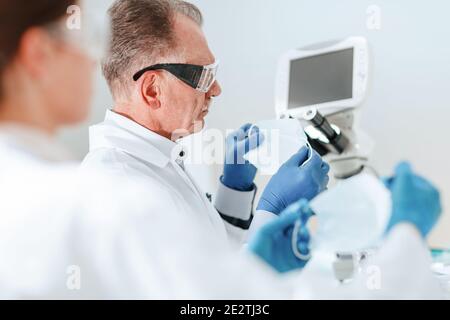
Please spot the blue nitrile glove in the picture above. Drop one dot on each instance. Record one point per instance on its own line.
(294, 181)
(238, 173)
(414, 200)
(274, 241)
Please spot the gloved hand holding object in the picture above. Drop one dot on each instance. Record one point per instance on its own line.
(296, 179)
(238, 173)
(284, 243)
(282, 139)
(414, 200)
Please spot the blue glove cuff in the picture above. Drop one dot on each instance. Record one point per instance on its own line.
(243, 188)
(265, 205)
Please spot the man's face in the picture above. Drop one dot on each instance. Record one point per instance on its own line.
(185, 108)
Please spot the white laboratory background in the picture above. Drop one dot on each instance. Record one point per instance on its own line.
(407, 111)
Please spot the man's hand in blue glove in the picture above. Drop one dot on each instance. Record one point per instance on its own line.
(414, 200)
(238, 173)
(294, 181)
(284, 243)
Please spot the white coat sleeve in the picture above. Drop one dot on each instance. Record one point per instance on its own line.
(236, 209)
(400, 270)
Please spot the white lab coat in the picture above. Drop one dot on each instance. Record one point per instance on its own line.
(122, 147)
(71, 235)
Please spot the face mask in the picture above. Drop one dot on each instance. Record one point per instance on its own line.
(282, 139)
(351, 216)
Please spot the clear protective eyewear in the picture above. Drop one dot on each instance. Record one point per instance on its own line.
(200, 78)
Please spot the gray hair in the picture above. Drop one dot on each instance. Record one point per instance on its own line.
(142, 33)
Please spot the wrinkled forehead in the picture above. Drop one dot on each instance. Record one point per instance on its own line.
(191, 41)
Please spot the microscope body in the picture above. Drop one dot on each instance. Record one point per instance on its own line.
(324, 86)
(339, 140)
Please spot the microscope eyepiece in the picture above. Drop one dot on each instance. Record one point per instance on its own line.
(337, 140)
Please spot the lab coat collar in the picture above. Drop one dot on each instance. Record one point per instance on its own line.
(126, 135)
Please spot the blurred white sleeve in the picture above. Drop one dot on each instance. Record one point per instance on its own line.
(400, 270)
(236, 209)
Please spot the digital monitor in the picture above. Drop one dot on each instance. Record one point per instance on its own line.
(320, 79)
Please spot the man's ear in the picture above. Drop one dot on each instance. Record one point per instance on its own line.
(150, 90)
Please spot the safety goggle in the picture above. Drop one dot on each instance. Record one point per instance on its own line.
(200, 78)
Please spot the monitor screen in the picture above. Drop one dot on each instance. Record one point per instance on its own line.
(320, 79)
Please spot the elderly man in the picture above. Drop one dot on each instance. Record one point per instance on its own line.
(161, 73)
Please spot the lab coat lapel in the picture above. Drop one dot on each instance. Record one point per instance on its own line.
(110, 135)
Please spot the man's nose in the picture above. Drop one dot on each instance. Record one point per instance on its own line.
(216, 90)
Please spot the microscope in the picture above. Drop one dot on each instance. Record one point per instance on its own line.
(324, 86)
